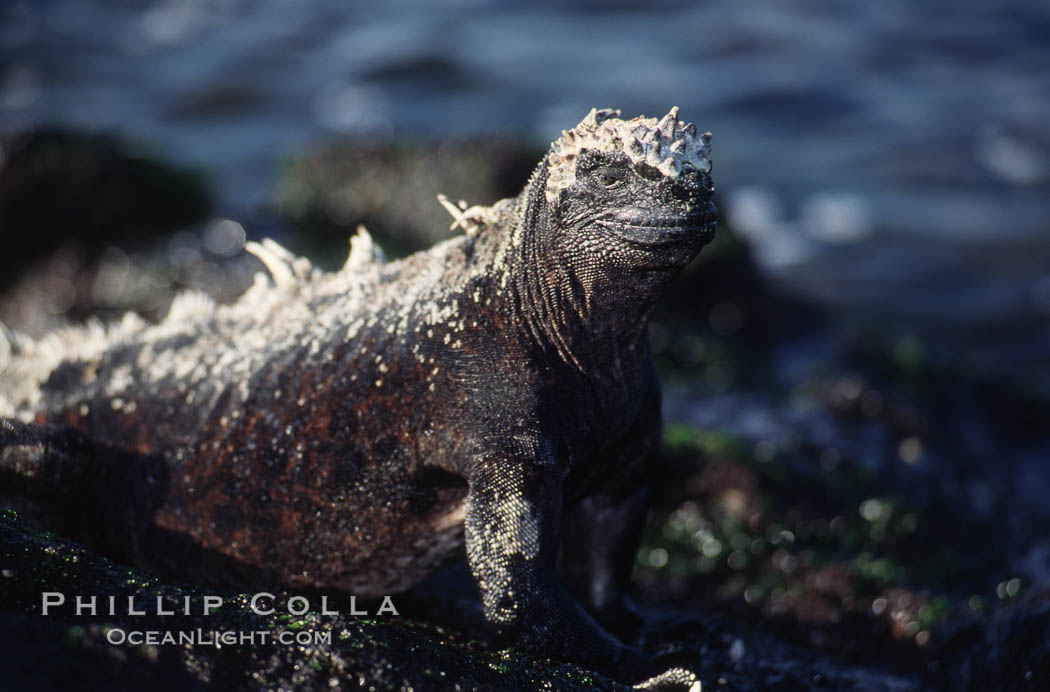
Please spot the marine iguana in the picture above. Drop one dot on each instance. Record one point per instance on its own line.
(351, 430)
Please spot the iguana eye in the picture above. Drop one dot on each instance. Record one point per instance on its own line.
(609, 177)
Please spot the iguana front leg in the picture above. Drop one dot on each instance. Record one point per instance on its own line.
(512, 534)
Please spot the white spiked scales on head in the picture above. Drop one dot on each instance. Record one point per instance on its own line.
(666, 144)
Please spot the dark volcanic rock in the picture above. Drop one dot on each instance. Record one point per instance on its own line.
(378, 652)
(1008, 651)
(64, 650)
(81, 220)
(60, 187)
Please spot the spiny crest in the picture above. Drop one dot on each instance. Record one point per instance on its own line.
(26, 363)
(363, 252)
(666, 144)
(473, 219)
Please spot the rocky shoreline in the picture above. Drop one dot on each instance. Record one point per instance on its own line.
(840, 505)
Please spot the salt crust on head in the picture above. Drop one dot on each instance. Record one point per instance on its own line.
(666, 144)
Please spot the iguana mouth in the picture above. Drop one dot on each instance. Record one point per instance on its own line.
(641, 227)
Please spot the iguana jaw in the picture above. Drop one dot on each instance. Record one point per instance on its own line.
(640, 227)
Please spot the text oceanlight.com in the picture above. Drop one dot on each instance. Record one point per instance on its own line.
(216, 638)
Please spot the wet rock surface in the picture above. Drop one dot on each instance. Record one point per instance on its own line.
(379, 652)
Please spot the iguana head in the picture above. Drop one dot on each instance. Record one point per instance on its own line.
(643, 184)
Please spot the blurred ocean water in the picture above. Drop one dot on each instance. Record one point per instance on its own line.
(892, 155)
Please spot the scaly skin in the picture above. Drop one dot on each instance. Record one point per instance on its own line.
(349, 430)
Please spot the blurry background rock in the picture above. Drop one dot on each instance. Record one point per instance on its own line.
(91, 226)
(391, 188)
